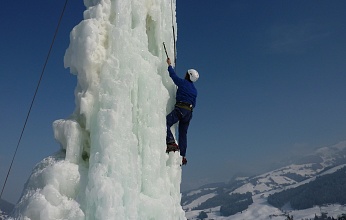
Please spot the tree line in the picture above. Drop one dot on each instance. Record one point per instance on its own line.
(229, 203)
(325, 189)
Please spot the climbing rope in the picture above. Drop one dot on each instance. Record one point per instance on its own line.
(33, 99)
(174, 41)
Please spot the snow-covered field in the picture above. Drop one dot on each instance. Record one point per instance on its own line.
(263, 185)
(261, 210)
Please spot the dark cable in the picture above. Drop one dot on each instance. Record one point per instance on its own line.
(174, 41)
(33, 99)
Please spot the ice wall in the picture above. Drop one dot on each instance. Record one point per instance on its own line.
(113, 163)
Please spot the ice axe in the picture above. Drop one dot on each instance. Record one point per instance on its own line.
(164, 46)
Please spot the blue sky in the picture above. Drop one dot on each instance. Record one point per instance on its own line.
(272, 82)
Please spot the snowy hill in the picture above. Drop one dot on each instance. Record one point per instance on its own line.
(218, 202)
(3, 216)
(5, 209)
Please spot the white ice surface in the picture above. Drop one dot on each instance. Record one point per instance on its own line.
(113, 163)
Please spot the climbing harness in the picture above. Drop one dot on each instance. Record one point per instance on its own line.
(184, 105)
(32, 102)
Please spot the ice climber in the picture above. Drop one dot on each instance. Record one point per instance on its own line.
(182, 112)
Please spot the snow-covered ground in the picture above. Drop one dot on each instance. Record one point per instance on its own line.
(263, 185)
(261, 210)
(200, 200)
(3, 216)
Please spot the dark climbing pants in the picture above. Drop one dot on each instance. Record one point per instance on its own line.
(183, 116)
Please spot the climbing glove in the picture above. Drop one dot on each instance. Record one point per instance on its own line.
(184, 161)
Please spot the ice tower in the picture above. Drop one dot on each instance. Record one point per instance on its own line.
(112, 163)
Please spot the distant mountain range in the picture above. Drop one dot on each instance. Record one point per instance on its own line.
(309, 186)
(5, 209)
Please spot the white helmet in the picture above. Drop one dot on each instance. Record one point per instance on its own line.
(193, 75)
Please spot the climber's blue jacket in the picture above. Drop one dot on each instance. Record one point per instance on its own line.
(186, 92)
